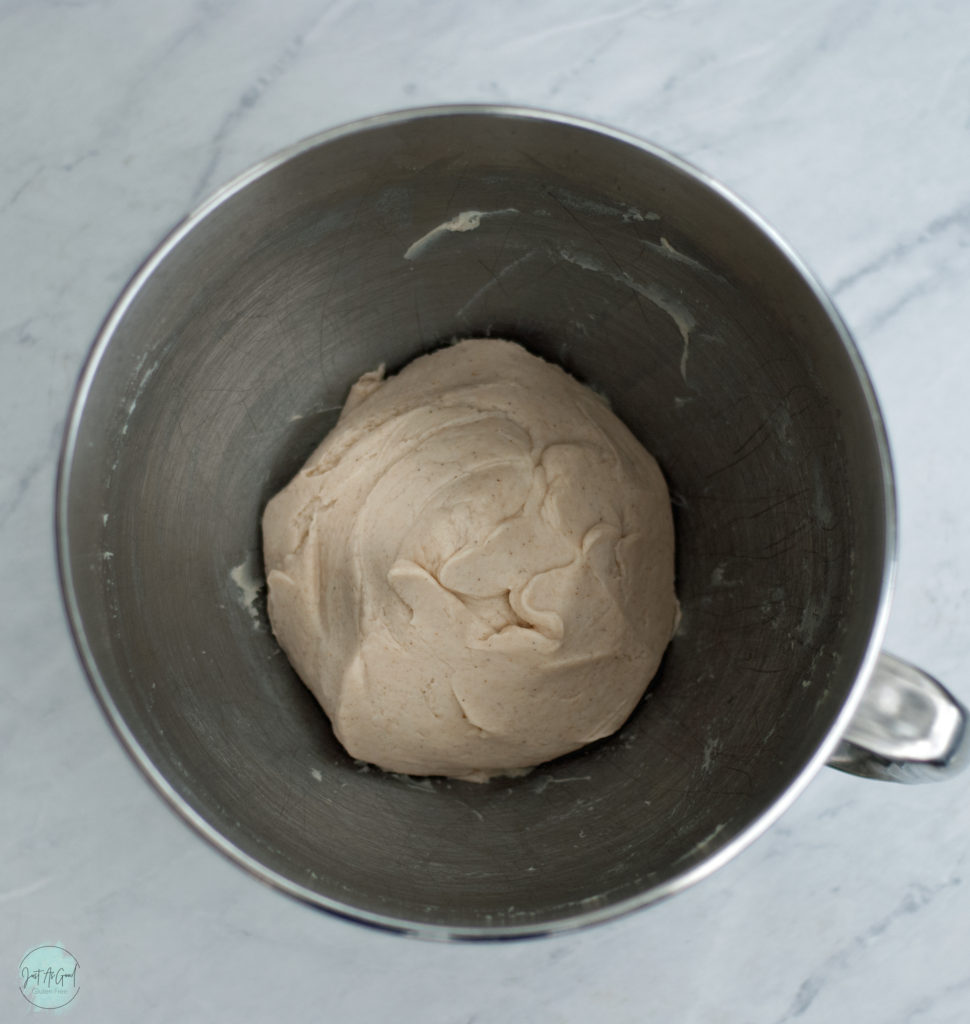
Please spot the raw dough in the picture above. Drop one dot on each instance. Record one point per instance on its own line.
(474, 572)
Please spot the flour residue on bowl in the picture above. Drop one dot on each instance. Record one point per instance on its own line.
(494, 280)
(543, 782)
(703, 844)
(681, 316)
(139, 390)
(249, 582)
(593, 207)
(467, 220)
(667, 250)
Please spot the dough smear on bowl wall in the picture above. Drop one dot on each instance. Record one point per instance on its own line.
(474, 571)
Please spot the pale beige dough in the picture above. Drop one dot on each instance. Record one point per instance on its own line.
(474, 572)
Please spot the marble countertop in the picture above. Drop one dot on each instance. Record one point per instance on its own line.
(846, 124)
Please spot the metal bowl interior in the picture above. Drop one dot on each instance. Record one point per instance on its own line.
(226, 361)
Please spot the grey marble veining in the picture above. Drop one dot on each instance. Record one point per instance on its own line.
(847, 125)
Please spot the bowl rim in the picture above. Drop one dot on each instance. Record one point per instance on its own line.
(199, 823)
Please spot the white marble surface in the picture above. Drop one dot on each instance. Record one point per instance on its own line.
(846, 123)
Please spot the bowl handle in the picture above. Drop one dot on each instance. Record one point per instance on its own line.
(907, 728)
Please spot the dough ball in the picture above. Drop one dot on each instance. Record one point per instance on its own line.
(474, 572)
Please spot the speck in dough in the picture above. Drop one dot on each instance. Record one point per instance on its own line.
(474, 572)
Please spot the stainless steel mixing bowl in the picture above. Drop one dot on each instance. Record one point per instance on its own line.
(227, 359)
